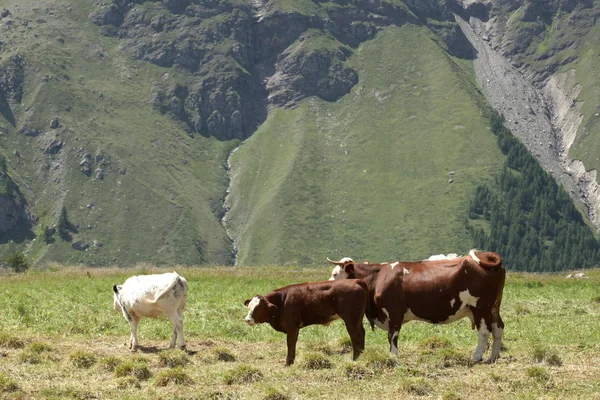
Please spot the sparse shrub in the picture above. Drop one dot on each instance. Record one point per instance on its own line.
(274, 394)
(417, 387)
(223, 354)
(173, 358)
(539, 373)
(138, 370)
(355, 371)
(315, 361)
(7, 384)
(176, 376)
(242, 374)
(17, 262)
(128, 382)
(11, 342)
(82, 359)
(379, 359)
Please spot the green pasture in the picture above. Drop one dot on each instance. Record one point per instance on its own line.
(60, 338)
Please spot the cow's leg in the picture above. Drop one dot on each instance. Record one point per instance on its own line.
(484, 336)
(133, 324)
(356, 330)
(292, 339)
(393, 332)
(497, 331)
(177, 330)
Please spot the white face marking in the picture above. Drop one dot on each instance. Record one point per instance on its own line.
(405, 271)
(474, 257)
(393, 265)
(251, 306)
(338, 273)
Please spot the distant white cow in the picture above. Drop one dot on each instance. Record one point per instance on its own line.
(152, 296)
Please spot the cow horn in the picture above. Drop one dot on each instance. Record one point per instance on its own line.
(334, 262)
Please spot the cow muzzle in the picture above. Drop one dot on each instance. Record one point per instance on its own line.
(250, 321)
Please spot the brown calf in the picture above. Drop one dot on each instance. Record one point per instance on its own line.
(316, 303)
(438, 292)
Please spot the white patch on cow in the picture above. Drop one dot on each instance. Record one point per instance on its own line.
(484, 336)
(338, 274)
(452, 303)
(405, 272)
(393, 265)
(474, 257)
(251, 306)
(437, 257)
(385, 323)
(467, 299)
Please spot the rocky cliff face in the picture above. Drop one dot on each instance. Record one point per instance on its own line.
(525, 64)
(238, 58)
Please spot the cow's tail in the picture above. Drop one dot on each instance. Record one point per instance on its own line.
(487, 260)
(370, 311)
(496, 308)
(168, 288)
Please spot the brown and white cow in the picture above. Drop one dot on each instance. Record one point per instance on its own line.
(437, 291)
(315, 303)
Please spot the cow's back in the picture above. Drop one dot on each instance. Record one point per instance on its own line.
(155, 295)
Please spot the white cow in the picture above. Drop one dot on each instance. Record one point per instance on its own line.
(152, 296)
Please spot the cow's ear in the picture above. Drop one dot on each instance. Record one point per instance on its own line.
(115, 289)
(349, 267)
(273, 310)
(246, 303)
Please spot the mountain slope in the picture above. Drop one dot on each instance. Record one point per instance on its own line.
(367, 176)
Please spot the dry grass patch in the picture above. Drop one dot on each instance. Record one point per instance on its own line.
(109, 363)
(355, 371)
(35, 353)
(125, 382)
(547, 356)
(417, 387)
(539, 373)
(176, 376)
(378, 359)
(242, 374)
(274, 394)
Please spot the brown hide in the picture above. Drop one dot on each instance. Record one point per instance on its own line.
(292, 307)
(438, 291)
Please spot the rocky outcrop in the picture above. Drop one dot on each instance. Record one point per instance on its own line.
(237, 59)
(12, 204)
(12, 75)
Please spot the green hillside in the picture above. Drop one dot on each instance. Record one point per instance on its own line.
(368, 176)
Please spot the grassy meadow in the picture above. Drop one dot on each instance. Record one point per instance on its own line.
(60, 339)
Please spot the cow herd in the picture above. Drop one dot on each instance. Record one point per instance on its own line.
(439, 290)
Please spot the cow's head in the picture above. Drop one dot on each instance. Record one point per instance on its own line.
(116, 302)
(343, 269)
(259, 310)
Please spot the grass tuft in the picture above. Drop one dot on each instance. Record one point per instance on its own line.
(242, 374)
(82, 359)
(33, 353)
(451, 358)
(451, 395)
(545, 355)
(138, 370)
(173, 358)
(125, 382)
(355, 371)
(417, 387)
(7, 385)
(176, 376)
(10, 341)
(109, 363)
(596, 299)
(539, 373)
(315, 361)
(379, 359)
(274, 394)
(223, 354)
(345, 344)
(436, 342)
